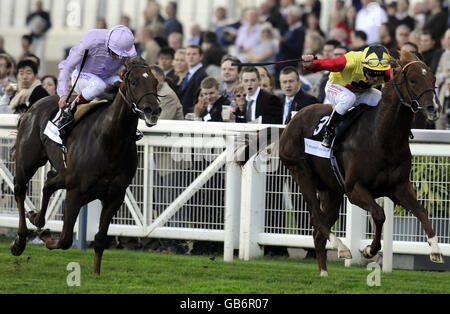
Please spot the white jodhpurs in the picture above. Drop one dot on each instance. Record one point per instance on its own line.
(342, 99)
(91, 85)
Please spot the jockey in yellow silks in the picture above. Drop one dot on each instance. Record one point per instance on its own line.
(351, 82)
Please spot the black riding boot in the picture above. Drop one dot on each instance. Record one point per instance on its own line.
(64, 122)
(329, 129)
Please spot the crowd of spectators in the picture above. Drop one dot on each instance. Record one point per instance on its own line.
(201, 67)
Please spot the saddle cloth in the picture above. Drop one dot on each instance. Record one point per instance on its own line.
(52, 131)
(313, 145)
(341, 126)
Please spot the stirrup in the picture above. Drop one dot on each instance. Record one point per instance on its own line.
(327, 139)
(65, 119)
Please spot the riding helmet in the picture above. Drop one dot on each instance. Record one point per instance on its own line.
(121, 41)
(376, 59)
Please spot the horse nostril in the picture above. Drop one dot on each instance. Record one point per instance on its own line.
(151, 111)
(430, 108)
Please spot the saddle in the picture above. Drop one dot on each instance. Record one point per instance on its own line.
(52, 131)
(341, 127)
(83, 109)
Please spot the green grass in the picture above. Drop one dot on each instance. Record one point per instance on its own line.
(39, 270)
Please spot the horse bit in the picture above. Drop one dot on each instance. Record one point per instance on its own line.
(134, 104)
(414, 104)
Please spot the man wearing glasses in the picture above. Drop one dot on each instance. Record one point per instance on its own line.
(352, 81)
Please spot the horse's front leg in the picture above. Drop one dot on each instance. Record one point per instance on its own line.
(361, 197)
(54, 182)
(72, 207)
(404, 195)
(110, 207)
(19, 244)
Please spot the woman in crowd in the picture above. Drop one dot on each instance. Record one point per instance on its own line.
(266, 50)
(239, 110)
(50, 83)
(180, 66)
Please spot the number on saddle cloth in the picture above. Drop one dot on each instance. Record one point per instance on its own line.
(341, 126)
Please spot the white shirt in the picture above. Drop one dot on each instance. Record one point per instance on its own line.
(369, 20)
(287, 104)
(253, 108)
(193, 70)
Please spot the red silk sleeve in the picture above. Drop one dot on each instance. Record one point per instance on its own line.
(332, 64)
(388, 75)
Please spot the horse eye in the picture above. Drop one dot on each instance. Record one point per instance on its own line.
(412, 81)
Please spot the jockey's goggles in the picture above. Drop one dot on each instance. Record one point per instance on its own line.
(374, 63)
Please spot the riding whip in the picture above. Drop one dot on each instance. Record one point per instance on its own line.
(268, 63)
(78, 76)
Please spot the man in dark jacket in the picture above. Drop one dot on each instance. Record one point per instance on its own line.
(172, 25)
(262, 107)
(39, 23)
(291, 43)
(30, 88)
(191, 83)
(430, 52)
(295, 99)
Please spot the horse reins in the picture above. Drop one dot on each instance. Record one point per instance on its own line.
(414, 104)
(134, 104)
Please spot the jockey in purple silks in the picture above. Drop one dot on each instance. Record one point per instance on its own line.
(107, 52)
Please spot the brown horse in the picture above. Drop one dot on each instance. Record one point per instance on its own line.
(374, 157)
(101, 157)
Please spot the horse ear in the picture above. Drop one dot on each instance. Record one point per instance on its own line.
(121, 74)
(394, 63)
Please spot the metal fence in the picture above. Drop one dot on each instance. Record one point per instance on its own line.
(188, 185)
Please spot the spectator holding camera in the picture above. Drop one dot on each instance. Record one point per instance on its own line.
(28, 90)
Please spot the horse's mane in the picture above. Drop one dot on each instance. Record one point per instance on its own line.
(135, 61)
(113, 88)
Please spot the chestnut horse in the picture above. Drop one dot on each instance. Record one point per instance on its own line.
(374, 157)
(101, 157)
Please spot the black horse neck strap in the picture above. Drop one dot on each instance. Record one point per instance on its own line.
(413, 104)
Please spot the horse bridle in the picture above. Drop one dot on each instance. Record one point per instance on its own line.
(132, 103)
(413, 104)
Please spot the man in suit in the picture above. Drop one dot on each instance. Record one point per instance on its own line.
(262, 107)
(165, 61)
(295, 99)
(172, 24)
(191, 83)
(291, 43)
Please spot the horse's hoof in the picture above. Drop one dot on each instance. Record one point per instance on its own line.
(346, 254)
(18, 246)
(437, 258)
(366, 252)
(31, 215)
(44, 234)
(323, 273)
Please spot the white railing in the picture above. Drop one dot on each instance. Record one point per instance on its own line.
(188, 185)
